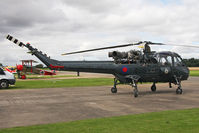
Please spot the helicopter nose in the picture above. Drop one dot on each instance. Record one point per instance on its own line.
(185, 72)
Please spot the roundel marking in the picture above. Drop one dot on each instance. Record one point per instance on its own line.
(166, 71)
(124, 69)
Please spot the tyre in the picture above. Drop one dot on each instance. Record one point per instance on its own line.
(4, 84)
(179, 91)
(153, 88)
(114, 90)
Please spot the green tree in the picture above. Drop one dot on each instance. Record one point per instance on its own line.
(191, 62)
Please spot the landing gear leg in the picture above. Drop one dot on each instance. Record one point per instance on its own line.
(170, 86)
(153, 87)
(179, 89)
(135, 91)
(114, 88)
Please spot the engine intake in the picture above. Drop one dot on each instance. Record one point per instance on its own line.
(117, 54)
(131, 56)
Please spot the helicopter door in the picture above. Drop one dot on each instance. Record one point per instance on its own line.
(152, 73)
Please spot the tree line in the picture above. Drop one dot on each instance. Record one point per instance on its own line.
(191, 62)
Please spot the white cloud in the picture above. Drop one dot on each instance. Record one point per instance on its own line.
(62, 26)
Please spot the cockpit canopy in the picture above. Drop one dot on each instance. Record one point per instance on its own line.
(169, 58)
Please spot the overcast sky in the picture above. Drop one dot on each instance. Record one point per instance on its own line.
(60, 26)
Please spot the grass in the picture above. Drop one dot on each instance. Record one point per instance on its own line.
(48, 76)
(37, 76)
(56, 83)
(179, 121)
(194, 73)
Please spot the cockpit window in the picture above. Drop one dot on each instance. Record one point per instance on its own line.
(177, 61)
(169, 59)
(164, 59)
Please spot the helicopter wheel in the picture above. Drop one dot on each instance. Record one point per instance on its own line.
(4, 84)
(114, 90)
(153, 88)
(178, 90)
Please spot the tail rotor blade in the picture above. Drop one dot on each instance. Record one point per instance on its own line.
(14, 40)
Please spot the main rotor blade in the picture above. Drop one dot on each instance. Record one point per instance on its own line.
(89, 50)
(131, 44)
(183, 45)
(170, 44)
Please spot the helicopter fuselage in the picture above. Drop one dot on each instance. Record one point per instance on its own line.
(168, 64)
(146, 72)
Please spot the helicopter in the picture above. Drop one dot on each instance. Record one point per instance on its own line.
(129, 67)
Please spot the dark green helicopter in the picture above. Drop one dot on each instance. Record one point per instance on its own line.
(128, 67)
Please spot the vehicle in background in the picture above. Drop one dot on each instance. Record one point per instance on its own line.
(11, 69)
(6, 79)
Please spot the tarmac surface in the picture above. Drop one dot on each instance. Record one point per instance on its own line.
(51, 105)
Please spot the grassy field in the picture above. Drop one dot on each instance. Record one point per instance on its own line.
(194, 73)
(55, 83)
(36, 76)
(179, 121)
(48, 76)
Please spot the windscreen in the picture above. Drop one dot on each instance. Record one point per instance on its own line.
(164, 59)
(177, 61)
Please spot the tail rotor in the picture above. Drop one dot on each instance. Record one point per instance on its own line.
(14, 40)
